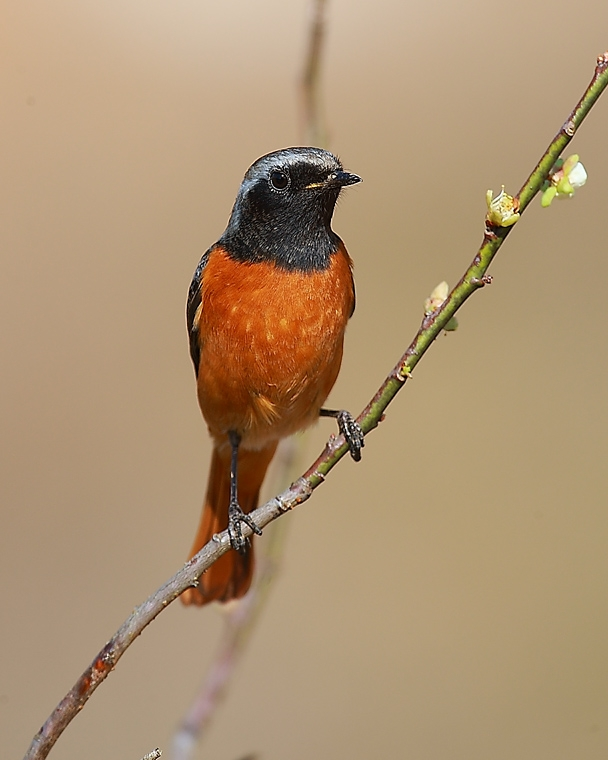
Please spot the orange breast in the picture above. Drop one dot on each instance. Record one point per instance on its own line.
(271, 345)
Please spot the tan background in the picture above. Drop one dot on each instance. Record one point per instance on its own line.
(447, 598)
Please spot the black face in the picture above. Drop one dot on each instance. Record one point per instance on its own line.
(284, 207)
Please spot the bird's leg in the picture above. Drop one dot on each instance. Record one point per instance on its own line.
(236, 516)
(350, 429)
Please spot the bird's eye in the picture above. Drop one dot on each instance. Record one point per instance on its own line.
(278, 179)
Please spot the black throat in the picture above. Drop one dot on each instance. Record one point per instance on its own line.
(294, 252)
(296, 236)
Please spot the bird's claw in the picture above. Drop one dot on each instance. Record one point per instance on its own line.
(353, 435)
(236, 516)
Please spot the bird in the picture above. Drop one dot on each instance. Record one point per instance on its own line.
(266, 314)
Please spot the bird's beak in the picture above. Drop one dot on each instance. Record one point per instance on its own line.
(342, 179)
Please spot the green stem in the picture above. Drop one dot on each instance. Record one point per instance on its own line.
(475, 276)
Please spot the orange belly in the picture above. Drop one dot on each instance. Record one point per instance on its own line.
(271, 345)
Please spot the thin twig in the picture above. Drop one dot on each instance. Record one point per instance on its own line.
(241, 616)
(313, 127)
(474, 278)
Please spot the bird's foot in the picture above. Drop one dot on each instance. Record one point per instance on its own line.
(350, 429)
(236, 517)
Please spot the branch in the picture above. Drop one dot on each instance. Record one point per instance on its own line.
(432, 324)
(240, 618)
(313, 128)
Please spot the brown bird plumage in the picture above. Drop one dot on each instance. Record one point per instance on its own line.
(267, 312)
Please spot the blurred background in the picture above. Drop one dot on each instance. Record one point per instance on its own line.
(446, 598)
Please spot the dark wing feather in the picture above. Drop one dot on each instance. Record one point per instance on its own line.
(194, 301)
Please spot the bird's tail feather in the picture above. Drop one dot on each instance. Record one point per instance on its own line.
(229, 577)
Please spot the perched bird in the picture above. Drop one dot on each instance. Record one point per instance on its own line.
(267, 311)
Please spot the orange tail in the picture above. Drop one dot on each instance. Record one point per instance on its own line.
(229, 577)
